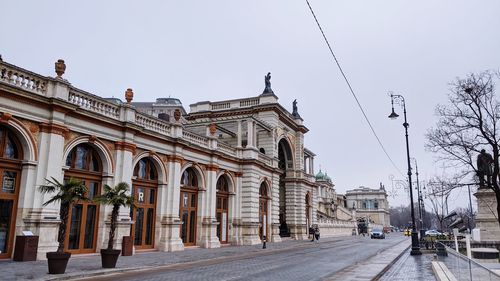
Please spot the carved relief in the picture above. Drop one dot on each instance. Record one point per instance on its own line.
(5, 117)
(70, 135)
(213, 129)
(177, 114)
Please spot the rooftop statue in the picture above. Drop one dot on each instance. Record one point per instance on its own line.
(295, 112)
(267, 80)
(484, 169)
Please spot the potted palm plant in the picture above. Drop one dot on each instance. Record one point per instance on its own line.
(115, 196)
(67, 193)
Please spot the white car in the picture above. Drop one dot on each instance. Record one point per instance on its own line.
(432, 232)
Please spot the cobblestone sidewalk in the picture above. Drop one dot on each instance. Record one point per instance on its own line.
(89, 265)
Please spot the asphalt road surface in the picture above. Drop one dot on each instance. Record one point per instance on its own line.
(314, 261)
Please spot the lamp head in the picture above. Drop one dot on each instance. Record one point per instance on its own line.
(393, 114)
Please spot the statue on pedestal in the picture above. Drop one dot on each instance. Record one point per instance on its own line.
(484, 169)
(267, 80)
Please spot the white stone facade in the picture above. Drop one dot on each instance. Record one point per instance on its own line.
(370, 204)
(227, 172)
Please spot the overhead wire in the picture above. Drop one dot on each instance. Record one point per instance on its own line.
(352, 91)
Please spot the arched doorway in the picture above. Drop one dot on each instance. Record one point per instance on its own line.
(263, 213)
(85, 165)
(285, 162)
(188, 208)
(222, 210)
(10, 171)
(144, 190)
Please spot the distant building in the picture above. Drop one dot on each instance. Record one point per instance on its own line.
(370, 204)
(163, 108)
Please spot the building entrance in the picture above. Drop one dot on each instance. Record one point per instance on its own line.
(144, 190)
(188, 207)
(10, 173)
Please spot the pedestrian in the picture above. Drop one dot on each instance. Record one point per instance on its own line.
(311, 232)
(316, 233)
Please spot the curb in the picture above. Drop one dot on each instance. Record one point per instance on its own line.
(387, 267)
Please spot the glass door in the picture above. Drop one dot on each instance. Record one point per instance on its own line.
(9, 188)
(82, 222)
(144, 216)
(188, 213)
(222, 217)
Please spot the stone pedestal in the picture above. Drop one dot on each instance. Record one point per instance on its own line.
(208, 237)
(487, 217)
(170, 240)
(250, 233)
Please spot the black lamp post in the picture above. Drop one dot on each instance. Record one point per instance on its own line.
(415, 247)
(419, 200)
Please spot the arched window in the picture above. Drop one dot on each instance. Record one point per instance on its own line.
(263, 190)
(145, 170)
(84, 157)
(9, 147)
(189, 178)
(222, 184)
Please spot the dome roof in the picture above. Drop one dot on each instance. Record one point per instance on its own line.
(327, 178)
(320, 176)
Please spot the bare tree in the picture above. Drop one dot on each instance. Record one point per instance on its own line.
(438, 192)
(469, 123)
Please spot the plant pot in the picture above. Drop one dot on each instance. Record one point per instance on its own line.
(109, 258)
(57, 262)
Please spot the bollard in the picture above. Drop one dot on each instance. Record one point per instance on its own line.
(263, 242)
(441, 250)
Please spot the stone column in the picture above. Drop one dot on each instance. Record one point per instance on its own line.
(208, 237)
(275, 209)
(238, 134)
(169, 239)
(250, 206)
(44, 220)
(295, 209)
(235, 236)
(123, 155)
(250, 134)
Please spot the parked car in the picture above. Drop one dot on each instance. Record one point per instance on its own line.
(377, 234)
(432, 233)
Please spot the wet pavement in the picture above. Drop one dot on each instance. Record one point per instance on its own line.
(289, 260)
(409, 267)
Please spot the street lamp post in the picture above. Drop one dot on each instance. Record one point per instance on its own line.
(419, 196)
(415, 247)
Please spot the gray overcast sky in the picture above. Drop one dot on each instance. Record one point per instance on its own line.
(216, 50)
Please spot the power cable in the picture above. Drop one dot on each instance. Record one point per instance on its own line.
(352, 91)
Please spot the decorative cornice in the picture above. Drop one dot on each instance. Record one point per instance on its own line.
(238, 174)
(51, 128)
(125, 146)
(212, 167)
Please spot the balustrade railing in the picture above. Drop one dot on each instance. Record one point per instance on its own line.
(220, 105)
(22, 78)
(226, 148)
(249, 102)
(194, 138)
(94, 103)
(152, 123)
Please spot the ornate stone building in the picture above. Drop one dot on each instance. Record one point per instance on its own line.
(227, 172)
(370, 204)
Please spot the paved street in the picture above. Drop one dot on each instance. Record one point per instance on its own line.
(305, 261)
